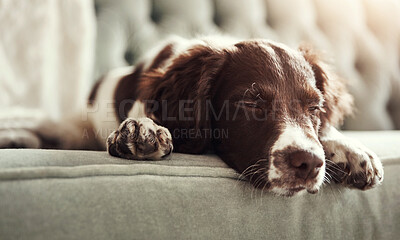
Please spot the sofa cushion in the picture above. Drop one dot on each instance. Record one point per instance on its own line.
(54, 194)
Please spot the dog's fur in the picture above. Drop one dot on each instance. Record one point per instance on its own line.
(276, 108)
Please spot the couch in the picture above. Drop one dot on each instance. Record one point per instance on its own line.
(53, 194)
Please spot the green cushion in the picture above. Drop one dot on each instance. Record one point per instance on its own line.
(53, 194)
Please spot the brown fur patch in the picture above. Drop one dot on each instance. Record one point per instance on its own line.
(161, 57)
(189, 79)
(126, 93)
(338, 102)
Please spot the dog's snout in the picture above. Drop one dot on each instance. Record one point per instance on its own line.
(306, 165)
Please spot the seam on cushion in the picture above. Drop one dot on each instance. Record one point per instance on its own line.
(386, 161)
(124, 175)
(113, 170)
(113, 165)
(162, 162)
(119, 164)
(122, 170)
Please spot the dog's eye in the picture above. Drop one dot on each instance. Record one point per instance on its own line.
(248, 104)
(314, 109)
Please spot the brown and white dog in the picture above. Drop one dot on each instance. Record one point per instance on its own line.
(268, 111)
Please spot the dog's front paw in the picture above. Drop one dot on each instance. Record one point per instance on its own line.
(352, 164)
(140, 139)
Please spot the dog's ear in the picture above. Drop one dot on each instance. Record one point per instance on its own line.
(338, 102)
(183, 95)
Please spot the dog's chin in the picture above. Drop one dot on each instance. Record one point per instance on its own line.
(287, 186)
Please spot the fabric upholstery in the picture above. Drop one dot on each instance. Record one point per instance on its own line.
(361, 38)
(50, 194)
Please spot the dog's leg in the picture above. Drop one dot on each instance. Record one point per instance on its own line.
(140, 138)
(70, 133)
(349, 162)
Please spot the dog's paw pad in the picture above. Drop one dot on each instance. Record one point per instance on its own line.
(140, 139)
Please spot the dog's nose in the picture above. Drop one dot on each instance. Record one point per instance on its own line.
(306, 164)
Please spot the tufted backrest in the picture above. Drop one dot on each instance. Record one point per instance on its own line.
(361, 38)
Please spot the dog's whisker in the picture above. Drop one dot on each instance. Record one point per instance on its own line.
(334, 166)
(258, 96)
(327, 180)
(245, 92)
(252, 86)
(259, 180)
(332, 176)
(265, 185)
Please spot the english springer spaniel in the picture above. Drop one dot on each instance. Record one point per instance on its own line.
(267, 110)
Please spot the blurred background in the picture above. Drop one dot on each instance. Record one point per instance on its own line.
(51, 51)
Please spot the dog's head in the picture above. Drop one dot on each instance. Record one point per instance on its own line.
(262, 105)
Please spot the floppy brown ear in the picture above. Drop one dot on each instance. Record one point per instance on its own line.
(183, 91)
(338, 102)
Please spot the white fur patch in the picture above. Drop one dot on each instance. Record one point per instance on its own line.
(137, 110)
(296, 137)
(102, 112)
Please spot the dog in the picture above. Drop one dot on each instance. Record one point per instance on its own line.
(266, 110)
